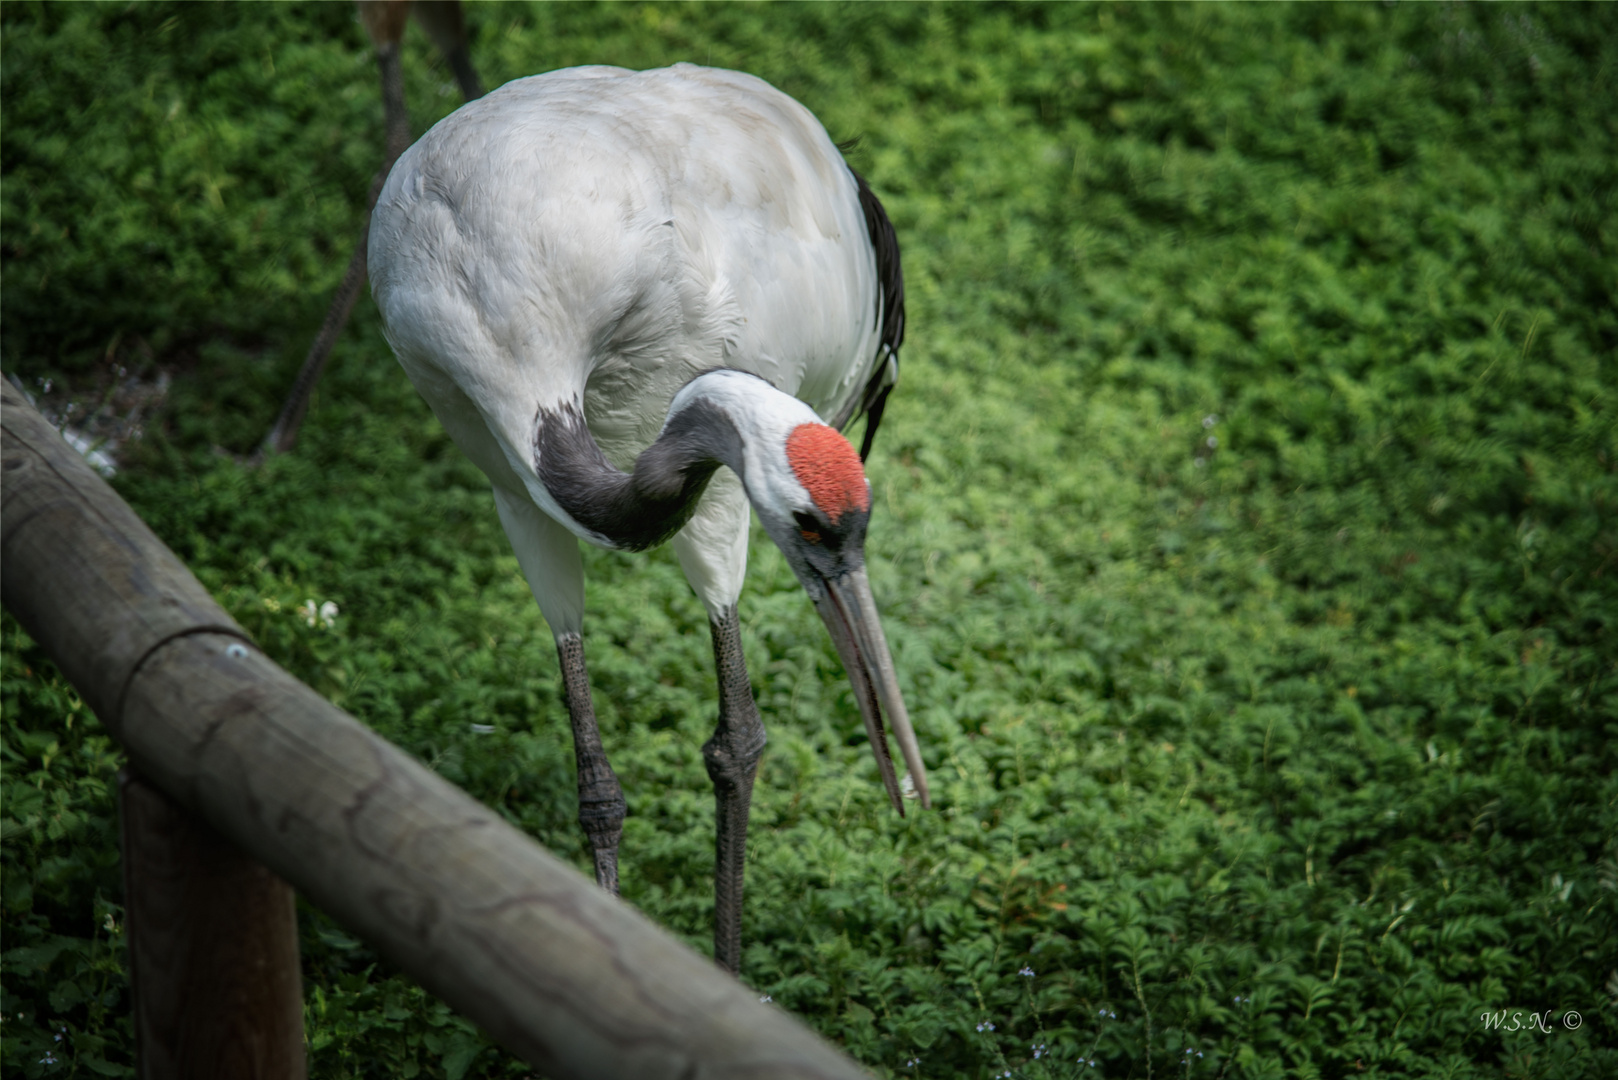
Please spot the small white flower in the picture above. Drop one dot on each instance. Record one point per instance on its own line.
(1026, 972)
(987, 1025)
(1210, 420)
(1213, 442)
(318, 614)
(766, 999)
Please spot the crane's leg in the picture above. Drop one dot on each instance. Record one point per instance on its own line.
(549, 557)
(601, 798)
(712, 549)
(732, 757)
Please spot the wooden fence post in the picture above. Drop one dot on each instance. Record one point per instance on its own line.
(213, 948)
(567, 977)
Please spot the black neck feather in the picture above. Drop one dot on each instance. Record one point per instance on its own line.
(639, 510)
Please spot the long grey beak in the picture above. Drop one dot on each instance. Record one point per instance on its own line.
(850, 616)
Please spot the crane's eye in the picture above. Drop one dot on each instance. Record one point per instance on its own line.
(808, 527)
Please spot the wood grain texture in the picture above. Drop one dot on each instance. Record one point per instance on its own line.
(213, 949)
(567, 977)
(82, 573)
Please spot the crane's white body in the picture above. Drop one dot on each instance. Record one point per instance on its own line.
(599, 237)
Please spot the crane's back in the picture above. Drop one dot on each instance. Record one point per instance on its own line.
(605, 235)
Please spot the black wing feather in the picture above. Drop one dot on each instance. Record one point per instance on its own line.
(891, 285)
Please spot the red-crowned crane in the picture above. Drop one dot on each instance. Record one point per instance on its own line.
(607, 285)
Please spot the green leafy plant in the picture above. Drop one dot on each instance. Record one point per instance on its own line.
(1246, 531)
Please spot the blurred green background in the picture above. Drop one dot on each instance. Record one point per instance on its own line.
(1246, 529)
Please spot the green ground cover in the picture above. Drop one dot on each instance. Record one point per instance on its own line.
(1246, 530)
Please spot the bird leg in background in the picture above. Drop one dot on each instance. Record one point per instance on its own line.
(601, 799)
(732, 757)
(445, 26)
(384, 22)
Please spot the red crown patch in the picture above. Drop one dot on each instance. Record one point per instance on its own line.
(829, 470)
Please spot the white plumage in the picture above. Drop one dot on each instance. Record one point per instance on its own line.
(590, 242)
(622, 231)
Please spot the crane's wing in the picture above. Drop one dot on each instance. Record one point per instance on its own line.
(873, 399)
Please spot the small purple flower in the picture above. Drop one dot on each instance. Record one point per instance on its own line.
(1026, 972)
(987, 1025)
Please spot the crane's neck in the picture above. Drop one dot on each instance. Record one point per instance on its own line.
(710, 423)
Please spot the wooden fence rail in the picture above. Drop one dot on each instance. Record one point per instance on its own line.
(566, 977)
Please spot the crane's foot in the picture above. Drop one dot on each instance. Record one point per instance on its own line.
(607, 868)
(601, 797)
(732, 757)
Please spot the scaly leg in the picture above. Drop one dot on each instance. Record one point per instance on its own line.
(601, 799)
(732, 758)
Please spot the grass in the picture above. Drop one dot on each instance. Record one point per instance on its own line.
(1246, 531)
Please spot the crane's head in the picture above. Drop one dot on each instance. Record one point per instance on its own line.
(816, 503)
(808, 488)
